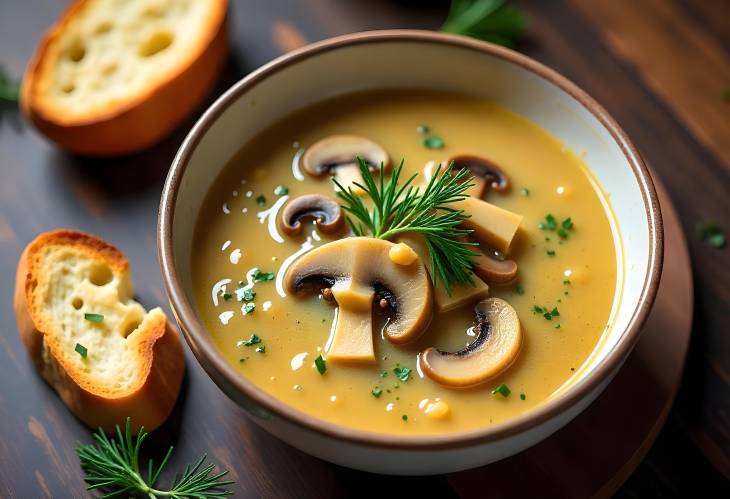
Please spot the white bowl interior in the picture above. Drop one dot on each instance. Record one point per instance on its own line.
(427, 65)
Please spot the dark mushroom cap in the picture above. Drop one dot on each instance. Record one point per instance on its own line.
(327, 155)
(323, 209)
(487, 175)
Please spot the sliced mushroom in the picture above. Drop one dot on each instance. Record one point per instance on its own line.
(487, 175)
(460, 295)
(323, 209)
(495, 270)
(337, 155)
(498, 342)
(360, 274)
(493, 226)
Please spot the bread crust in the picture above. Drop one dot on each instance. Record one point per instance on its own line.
(141, 120)
(148, 403)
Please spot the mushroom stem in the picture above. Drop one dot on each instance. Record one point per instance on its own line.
(352, 335)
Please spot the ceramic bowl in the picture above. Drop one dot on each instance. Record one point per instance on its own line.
(424, 60)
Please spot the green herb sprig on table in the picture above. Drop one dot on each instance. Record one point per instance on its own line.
(494, 21)
(399, 209)
(113, 465)
(9, 89)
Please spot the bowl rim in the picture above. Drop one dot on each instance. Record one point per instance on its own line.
(221, 371)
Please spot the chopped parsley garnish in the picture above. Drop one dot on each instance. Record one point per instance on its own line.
(253, 340)
(248, 308)
(281, 190)
(81, 350)
(260, 200)
(403, 373)
(259, 276)
(503, 390)
(557, 326)
(523, 396)
(525, 191)
(245, 294)
(545, 312)
(566, 282)
(519, 290)
(383, 374)
(551, 223)
(320, 364)
(404, 417)
(377, 392)
(433, 142)
(423, 129)
(261, 349)
(712, 234)
(550, 252)
(93, 317)
(242, 359)
(227, 296)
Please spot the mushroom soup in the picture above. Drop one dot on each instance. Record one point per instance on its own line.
(362, 331)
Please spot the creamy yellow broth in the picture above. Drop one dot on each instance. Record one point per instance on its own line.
(296, 328)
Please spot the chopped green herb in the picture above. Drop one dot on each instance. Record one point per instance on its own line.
(242, 359)
(519, 290)
(321, 364)
(404, 417)
(261, 200)
(403, 373)
(523, 396)
(550, 223)
(248, 308)
(712, 234)
(554, 312)
(93, 317)
(9, 90)
(567, 224)
(262, 276)
(423, 129)
(557, 326)
(227, 296)
(547, 239)
(261, 349)
(383, 374)
(548, 314)
(503, 390)
(377, 392)
(550, 252)
(81, 350)
(245, 294)
(253, 340)
(525, 191)
(281, 190)
(396, 385)
(566, 282)
(433, 142)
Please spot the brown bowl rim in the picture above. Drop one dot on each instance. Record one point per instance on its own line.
(222, 372)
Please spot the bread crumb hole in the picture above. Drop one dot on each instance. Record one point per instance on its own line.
(129, 327)
(100, 275)
(68, 88)
(77, 303)
(76, 52)
(156, 43)
(104, 27)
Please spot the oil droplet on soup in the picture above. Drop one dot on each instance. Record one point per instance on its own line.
(565, 251)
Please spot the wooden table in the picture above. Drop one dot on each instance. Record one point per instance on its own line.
(659, 67)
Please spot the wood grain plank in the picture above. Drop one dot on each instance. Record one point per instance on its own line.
(679, 60)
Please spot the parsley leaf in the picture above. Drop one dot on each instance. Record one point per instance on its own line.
(377, 392)
(281, 190)
(433, 142)
(403, 373)
(248, 308)
(502, 390)
(259, 276)
(253, 340)
(321, 364)
(261, 200)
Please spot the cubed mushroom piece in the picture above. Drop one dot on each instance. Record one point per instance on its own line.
(358, 273)
(337, 155)
(496, 346)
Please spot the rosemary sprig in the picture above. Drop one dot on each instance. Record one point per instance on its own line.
(113, 465)
(398, 209)
(491, 20)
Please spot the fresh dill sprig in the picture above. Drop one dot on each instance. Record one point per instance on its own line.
(113, 465)
(491, 20)
(398, 209)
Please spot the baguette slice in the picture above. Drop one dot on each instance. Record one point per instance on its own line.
(130, 363)
(113, 77)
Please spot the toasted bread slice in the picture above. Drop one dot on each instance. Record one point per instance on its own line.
(105, 356)
(115, 77)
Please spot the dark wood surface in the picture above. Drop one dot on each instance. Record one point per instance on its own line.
(659, 67)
